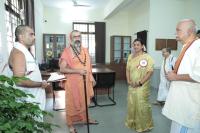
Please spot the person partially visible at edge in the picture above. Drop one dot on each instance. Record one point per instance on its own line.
(182, 105)
(75, 63)
(198, 33)
(138, 72)
(167, 65)
(23, 64)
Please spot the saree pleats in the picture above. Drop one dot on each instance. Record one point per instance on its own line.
(139, 113)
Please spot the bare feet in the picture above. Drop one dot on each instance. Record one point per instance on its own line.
(93, 122)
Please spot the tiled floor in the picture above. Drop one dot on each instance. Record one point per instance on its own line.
(111, 118)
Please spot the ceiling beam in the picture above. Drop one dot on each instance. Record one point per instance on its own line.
(115, 6)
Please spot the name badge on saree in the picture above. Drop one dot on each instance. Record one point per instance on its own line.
(143, 63)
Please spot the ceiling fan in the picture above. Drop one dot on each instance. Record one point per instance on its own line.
(77, 4)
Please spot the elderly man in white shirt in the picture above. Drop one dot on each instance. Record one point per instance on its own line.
(183, 101)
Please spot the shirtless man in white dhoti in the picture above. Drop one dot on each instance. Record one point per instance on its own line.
(23, 64)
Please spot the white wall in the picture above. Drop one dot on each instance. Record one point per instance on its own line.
(116, 25)
(3, 42)
(39, 29)
(56, 22)
(138, 17)
(163, 18)
(192, 11)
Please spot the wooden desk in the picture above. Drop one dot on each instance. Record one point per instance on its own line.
(105, 78)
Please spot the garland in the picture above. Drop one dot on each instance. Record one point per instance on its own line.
(77, 53)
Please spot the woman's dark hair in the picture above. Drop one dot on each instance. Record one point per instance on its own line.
(139, 40)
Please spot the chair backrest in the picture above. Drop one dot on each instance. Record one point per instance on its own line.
(56, 86)
(104, 80)
(53, 64)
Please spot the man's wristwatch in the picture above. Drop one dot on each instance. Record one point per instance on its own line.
(140, 83)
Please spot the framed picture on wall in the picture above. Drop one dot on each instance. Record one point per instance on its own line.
(166, 43)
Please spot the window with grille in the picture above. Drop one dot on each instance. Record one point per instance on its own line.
(88, 37)
(14, 17)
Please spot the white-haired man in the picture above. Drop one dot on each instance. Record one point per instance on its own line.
(183, 101)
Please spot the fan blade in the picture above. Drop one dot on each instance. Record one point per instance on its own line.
(82, 5)
(76, 4)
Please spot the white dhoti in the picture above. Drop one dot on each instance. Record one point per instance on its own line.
(177, 128)
(164, 83)
(34, 75)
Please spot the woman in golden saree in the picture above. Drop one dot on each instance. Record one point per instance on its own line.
(138, 72)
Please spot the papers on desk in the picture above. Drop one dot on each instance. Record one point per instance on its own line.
(55, 77)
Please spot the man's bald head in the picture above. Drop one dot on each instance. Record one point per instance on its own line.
(25, 35)
(21, 29)
(188, 25)
(184, 29)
